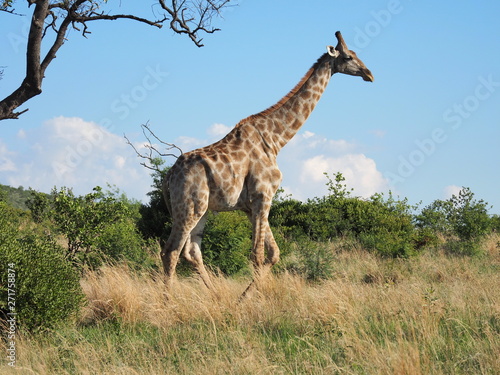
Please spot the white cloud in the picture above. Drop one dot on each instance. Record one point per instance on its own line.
(79, 154)
(120, 162)
(451, 190)
(307, 134)
(308, 156)
(309, 180)
(6, 162)
(215, 132)
(189, 143)
(218, 131)
(307, 141)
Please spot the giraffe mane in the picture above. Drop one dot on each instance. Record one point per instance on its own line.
(287, 97)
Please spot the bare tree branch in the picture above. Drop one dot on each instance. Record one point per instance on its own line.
(11, 11)
(185, 21)
(6, 6)
(152, 150)
(185, 17)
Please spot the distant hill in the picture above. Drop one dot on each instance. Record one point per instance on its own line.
(15, 197)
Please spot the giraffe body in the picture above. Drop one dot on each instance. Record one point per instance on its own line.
(240, 172)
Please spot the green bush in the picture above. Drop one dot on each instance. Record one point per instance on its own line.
(495, 223)
(155, 220)
(426, 238)
(227, 242)
(388, 244)
(97, 226)
(462, 219)
(383, 225)
(291, 218)
(463, 248)
(435, 217)
(317, 260)
(122, 241)
(469, 217)
(43, 286)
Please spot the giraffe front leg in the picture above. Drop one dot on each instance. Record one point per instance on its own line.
(263, 266)
(262, 240)
(273, 251)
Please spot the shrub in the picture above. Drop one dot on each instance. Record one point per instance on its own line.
(227, 242)
(469, 218)
(383, 225)
(463, 248)
(291, 218)
(387, 244)
(45, 287)
(435, 217)
(462, 219)
(97, 226)
(317, 260)
(425, 238)
(39, 205)
(495, 223)
(155, 220)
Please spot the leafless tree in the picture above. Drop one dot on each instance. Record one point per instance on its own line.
(189, 17)
(153, 156)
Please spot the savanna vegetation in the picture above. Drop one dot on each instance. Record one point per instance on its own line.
(364, 286)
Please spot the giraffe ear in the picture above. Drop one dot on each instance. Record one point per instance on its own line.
(332, 51)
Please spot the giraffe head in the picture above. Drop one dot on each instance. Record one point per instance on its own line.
(345, 61)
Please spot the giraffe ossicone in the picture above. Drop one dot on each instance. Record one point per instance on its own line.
(240, 172)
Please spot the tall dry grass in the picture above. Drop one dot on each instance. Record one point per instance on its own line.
(429, 315)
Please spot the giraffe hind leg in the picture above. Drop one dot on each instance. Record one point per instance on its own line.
(192, 252)
(170, 254)
(179, 239)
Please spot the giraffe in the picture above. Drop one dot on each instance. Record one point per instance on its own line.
(239, 172)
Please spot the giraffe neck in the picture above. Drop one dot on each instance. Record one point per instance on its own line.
(279, 123)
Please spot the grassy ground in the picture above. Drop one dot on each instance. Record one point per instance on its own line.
(432, 314)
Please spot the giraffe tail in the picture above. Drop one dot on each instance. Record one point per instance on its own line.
(166, 190)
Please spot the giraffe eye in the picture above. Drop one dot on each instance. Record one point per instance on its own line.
(347, 58)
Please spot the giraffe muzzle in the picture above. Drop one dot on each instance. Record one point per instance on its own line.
(368, 76)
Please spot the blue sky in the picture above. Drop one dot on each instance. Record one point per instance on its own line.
(428, 125)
